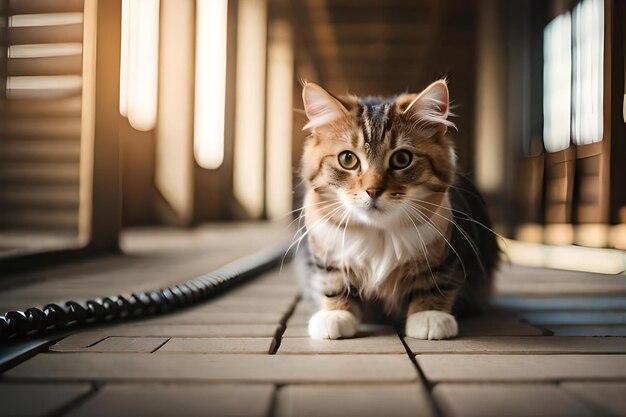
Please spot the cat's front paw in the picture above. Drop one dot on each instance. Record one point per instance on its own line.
(332, 324)
(431, 325)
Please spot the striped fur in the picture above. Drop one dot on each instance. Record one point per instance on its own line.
(423, 249)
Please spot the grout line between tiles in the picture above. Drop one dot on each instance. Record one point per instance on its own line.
(427, 385)
(594, 409)
(162, 344)
(76, 402)
(281, 330)
(271, 412)
(96, 342)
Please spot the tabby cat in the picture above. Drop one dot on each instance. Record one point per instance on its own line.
(388, 222)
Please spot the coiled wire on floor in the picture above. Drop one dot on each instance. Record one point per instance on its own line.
(16, 324)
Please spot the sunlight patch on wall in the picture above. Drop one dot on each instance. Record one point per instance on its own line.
(37, 82)
(490, 99)
(45, 19)
(139, 62)
(174, 130)
(45, 50)
(210, 94)
(278, 191)
(250, 105)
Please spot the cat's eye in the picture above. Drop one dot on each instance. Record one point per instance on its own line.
(400, 159)
(348, 160)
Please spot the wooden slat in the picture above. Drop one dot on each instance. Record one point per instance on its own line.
(45, 6)
(40, 150)
(36, 127)
(43, 94)
(45, 34)
(39, 173)
(65, 107)
(50, 219)
(50, 196)
(58, 65)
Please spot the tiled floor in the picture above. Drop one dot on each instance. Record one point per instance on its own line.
(246, 353)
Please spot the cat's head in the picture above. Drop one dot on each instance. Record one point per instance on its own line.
(378, 157)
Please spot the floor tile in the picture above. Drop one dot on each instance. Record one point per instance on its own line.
(151, 258)
(561, 303)
(495, 325)
(608, 397)
(519, 345)
(78, 341)
(511, 400)
(306, 308)
(366, 344)
(401, 400)
(589, 331)
(218, 345)
(154, 400)
(83, 339)
(538, 282)
(298, 320)
(30, 399)
(296, 330)
(519, 368)
(237, 304)
(265, 291)
(127, 345)
(218, 368)
(575, 317)
(194, 317)
(363, 330)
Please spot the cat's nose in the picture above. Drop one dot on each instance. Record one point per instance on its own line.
(375, 192)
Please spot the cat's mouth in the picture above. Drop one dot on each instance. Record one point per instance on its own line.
(373, 206)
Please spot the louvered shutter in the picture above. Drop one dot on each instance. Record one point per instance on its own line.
(40, 114)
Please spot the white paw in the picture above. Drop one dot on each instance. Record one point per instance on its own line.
(332, 324)
(431, 325)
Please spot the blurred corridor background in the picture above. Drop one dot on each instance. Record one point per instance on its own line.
(177, 112)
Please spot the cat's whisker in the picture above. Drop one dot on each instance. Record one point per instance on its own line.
(464, 233)
(425, 253)
(418, 211)
(466, 216)
(303, 208)
(301, 228)
(343, 250)
(302, 216)
(299, 239)
(436, 229)
(311, 205)
(337, 228)
(322, 208)
(321, 221)
(453, 222)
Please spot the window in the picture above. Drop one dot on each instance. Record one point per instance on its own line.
(573, 77)
(587, 71)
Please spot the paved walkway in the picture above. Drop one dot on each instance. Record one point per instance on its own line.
(556, 347)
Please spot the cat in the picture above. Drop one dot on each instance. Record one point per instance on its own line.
(388, 221)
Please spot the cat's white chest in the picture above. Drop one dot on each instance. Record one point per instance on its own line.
(372, 254)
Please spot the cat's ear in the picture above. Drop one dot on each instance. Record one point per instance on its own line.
(320, 106)
(430, 108)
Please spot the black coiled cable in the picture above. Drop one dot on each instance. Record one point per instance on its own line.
(16, 324)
